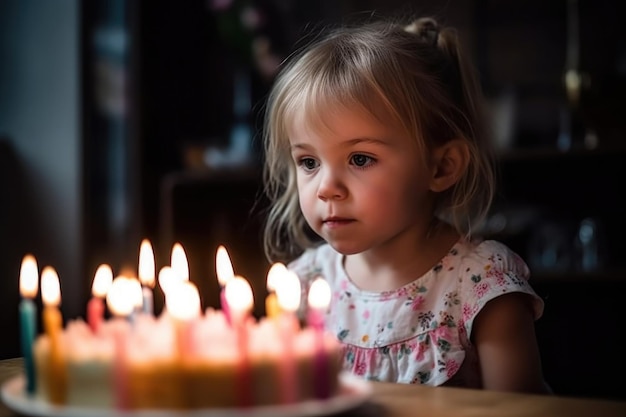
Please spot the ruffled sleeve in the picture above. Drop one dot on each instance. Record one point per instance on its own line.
(491, 270)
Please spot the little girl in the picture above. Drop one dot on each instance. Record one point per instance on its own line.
(375, 143)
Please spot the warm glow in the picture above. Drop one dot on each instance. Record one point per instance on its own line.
(183, 301)
(146, 264)
(167, 279)
(120, 298)
(238, 294)
(50, 289)
(275, 275)
(223, 266)
(102, 281)
(179, 264)
(319, 294)
(29, 277)
(135, 292)
(288, 291)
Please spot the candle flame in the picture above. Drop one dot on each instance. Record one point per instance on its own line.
(167, 279)
(120, 299)
(146, 264)
(50, 288)
(29, 277)
(179, 262)
(223, 266)
(319, 294)
(135, 292)
(288, 291)
(238, 294)
(275, 275)
(102, 281)
(183, 301)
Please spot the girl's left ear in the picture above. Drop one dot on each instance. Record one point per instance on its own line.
(450, 161)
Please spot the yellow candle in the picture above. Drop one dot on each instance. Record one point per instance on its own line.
(183, 305)
(275, 274)
(53, 326)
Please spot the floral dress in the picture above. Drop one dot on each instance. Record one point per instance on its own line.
(419, 333)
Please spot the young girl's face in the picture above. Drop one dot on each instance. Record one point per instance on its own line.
(362, 184)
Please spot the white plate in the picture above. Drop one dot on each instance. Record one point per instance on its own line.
(353, 393)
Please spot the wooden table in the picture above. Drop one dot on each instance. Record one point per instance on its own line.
(396, 400)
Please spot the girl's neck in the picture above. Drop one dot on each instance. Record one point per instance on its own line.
(390, 268)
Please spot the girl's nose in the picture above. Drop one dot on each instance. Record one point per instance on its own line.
(331, 187)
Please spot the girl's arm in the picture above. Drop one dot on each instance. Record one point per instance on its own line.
(504, 336)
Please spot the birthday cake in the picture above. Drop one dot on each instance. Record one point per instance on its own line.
(185, 357)
(151, 373)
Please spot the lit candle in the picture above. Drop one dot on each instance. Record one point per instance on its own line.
(288, 294)
(178, 262)
(225, 273)
(183, 305)
(238, 294)
(95, 307)
(147, 276)
(136, 294)
(121, 303)
(276, 272)
(166, 280)
(53, 326)
(29, 276)
(319, 300)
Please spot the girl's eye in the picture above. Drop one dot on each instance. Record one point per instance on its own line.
(362, 160)
(308, 163)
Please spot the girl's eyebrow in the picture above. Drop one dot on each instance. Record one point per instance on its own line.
(350, 142)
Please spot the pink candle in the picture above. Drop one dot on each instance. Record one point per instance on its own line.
(95, 307)
(238, 294)
(121, 304)
(288, 295)
(225, 273)
(319, 300)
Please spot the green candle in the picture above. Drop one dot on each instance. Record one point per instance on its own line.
(29, 276)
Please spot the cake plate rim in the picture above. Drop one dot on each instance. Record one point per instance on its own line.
(354, 392)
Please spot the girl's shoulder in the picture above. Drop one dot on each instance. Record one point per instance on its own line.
(478, 256)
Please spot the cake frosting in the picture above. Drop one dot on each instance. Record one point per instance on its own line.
(153, 362)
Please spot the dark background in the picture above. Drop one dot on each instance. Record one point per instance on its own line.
(108, 108)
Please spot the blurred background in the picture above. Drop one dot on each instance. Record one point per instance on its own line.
(123, 120)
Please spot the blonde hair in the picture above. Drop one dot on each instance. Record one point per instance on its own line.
(412, 75)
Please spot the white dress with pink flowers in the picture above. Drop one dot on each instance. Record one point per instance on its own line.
(419, 333)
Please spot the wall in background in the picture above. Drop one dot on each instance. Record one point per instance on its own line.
(39, 117)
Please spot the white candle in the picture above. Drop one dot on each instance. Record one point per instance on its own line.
(121, 303)
(147, 276)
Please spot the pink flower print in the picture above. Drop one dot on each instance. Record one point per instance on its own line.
(420, 350)
(417, 302)
(366, 314)
(467, 311)
(343, 284)
(403, 292)
(360, 368)
(452, 367)
(481, 289)
(441, 332)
